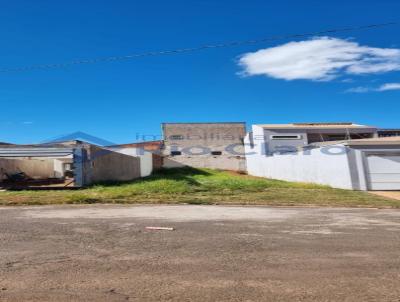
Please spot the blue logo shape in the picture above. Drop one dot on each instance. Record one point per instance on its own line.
(81, 136)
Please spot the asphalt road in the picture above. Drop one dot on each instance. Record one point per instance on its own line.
(215, 253)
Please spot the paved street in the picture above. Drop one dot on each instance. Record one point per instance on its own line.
(215, 253)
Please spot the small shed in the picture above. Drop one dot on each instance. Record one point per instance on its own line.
(63, 164)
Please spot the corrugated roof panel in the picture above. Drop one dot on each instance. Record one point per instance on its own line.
(35, 152)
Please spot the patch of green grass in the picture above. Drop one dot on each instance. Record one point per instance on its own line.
(202, 186)
(82, 198)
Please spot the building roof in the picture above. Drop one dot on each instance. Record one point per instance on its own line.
(203, 123)
(64, 144)
(316, 126)
(391, 140)
(147, 145)
(389, 130)
(376, 141)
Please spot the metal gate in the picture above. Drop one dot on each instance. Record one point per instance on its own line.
(383, 171)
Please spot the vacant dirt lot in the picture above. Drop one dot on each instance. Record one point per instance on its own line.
(216, 253)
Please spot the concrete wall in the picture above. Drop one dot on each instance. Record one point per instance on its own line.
(199, 140)
(158, 161)
(146, 158)
(101, 165)
(34, 168)
(306, 136)
(221, 162)
(337, 165)
(320, 166)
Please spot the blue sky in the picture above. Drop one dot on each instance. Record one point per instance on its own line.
(120, 99)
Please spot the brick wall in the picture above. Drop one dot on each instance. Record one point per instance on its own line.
(204, 145)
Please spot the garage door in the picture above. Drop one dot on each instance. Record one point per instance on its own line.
(384, 171)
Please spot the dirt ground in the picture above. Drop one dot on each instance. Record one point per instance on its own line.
(215, 253)
(388, 194)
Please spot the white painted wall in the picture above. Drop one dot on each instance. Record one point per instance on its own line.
(347, 170)
(312, 166)
(254, 146)
(59, 170)
(146, 158)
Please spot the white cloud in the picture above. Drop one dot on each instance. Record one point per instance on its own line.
(359, 89)
(389, 86)
(319, 59)
(348, 80)
(384, 87)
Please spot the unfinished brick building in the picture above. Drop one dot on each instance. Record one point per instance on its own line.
(204, 145)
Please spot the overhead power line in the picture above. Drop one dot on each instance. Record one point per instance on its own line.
(193, 49)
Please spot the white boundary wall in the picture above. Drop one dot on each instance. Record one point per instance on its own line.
(311, 166)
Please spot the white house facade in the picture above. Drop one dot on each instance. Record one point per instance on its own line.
(357, 164)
